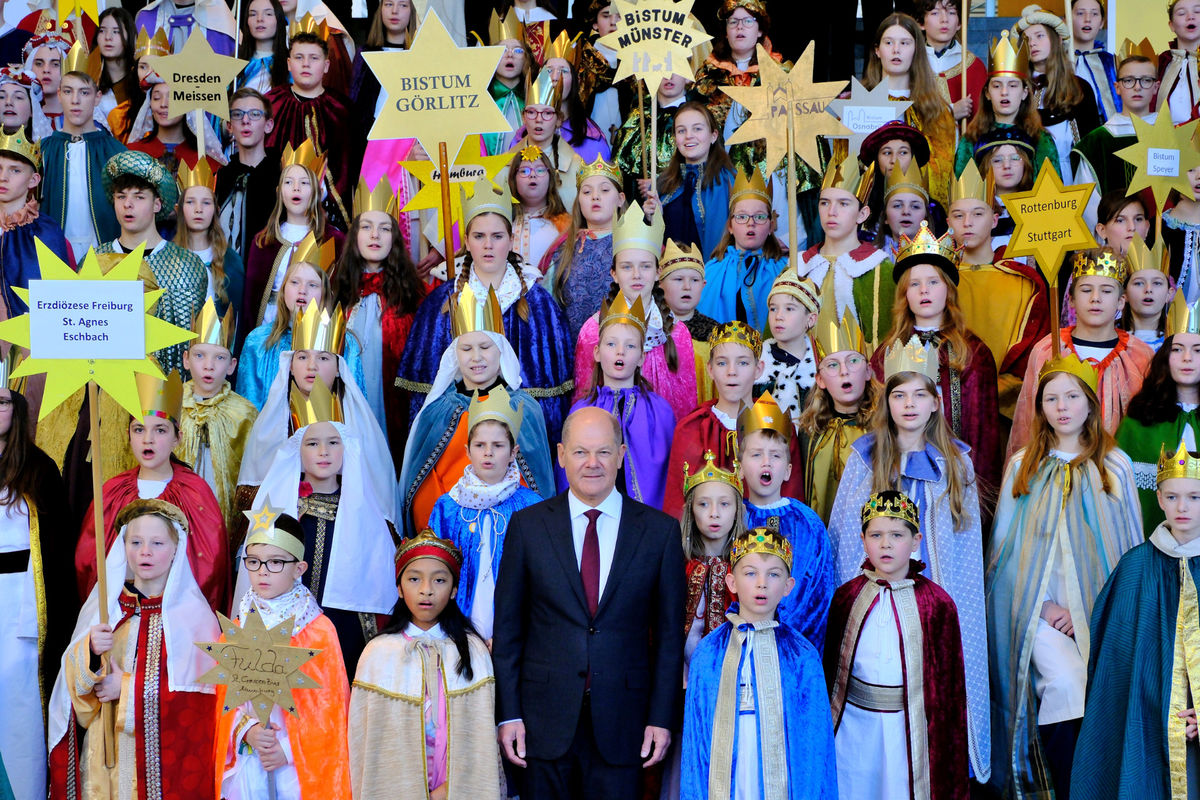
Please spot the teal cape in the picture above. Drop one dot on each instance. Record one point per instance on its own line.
(101, 146)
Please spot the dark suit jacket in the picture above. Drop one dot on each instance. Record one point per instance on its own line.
(544, 641)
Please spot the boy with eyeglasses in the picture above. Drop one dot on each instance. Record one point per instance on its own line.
(246, 185)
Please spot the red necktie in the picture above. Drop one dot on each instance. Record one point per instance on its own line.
(589, 564)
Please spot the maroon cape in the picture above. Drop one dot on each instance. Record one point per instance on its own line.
(322, 119)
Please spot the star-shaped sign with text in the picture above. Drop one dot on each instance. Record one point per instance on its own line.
(781, 94)
(436, 91)
(1049, 221)
(467, 167)
(1163, 154)
(654, 39)
(866, 110)
(198, 77)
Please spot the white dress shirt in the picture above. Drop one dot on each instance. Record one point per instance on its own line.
(607, 525)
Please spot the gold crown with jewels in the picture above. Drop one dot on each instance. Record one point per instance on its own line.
(679, 256)
(622, 311)
(160, 397)
(831, 335)
(896, 505)
(210, 328)
(849, 175)
(760, 540)
(764, 415)
(315, 328)
(1180, 465)
(22, 146)
(971, 185)
(471, 314)
(749, 186)
(381, 198)
(710, 473)
(911, 356)
(1102, 262)
(599, 166)
(736, 332)
(496, 406)
(486, 198)
(1071, 364)
(321, 405)
(926, 244)
(632, 232)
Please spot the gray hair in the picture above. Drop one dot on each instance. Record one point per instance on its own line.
(612, 420)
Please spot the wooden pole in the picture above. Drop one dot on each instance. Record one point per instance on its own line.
(642, 128)
(791, 183)
(962, 67)
(447, 222)
(106, 709)
(653, 138)
(1055, 302)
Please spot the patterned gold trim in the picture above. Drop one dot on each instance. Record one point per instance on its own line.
(39, 594)
(150, 708)
(873, 697)
(1185, 676)
(417, 701)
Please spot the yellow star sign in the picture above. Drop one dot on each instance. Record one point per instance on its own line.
(468, 166)
(780, 95)
(115, 376)
(1049, 221)
(85, 8)
(436, 90)
(263, 519)
(197, 76)
(654, 39)
(1163, 154)
(258, 665)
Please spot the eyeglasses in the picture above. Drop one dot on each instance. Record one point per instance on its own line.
(740, 22)
(1142, 82)
(1001, 160)
(545, 114)
(744, 219)
(255, 114)
(514, 51)
(533, 172)
(834, 367)
(272, 564)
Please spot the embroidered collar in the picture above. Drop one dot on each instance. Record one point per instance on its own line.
(471, 492)
(297, 603)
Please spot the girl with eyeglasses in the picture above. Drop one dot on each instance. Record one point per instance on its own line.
(539, 217)
(1004, 156)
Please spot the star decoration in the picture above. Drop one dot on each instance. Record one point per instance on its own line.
(85, 8)
(866, 110)
(466, 168)
(115, 376)
(1049, 221)
(782, 94)
(1167, 147)
(198, 76)
(258, 665)
(654, 39)
(436, 90)
(263, 519)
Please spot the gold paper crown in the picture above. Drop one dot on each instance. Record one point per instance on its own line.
(160, 397)
(910, 180)
(926, 244)
(761, 540)
(1071, 365)
(319, 255)
(1192, 322)
(599, 166)
(543, 89)
(159, 45)
(736, 332)
(710, 473)
(679, 256)
(531, 152)
(896, 505)
(263, 531)
(1181, 465)
(381, 198)
(790, 283)
(1102, 262)
(487, 199)
(315, 328)
(309, 24)
(21, 145)
(1141, 256)
(971, 185)
(562, 46)
(1142, 48)
(211, 328)
(507, 27)
(1007, 59)
(306, 156)
(77, 59)
(764, 415)
(848, 175)
(321, 405)
(469, 314)
(201, 175)
(497, 406)
(912, 356)
(8, 364)
(632, 233)
(622, 311)
(751, 186)
(831, 335)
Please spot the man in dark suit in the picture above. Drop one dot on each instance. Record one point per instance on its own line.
(588, 643)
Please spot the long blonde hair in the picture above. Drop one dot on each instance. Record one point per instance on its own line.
(927, 102)
(819, 410)
(571, 244)
(283, 316)
(693, 546)
(273, 232)
(954, 325)
(216, 240)
(1096, 443)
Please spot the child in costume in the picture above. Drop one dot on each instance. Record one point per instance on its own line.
(117, 85)
(898, 144)
(429, 651)
(540, 220)
(304, 753)
(45, 56)
(508, 84)
(200, 230)
(474, 514)
(264, 46)
(1181, 234)
(756, 716)
(886, 653)
(681, 278)
(905, 205)
(617, 386)
(247, 185)
(173, 139)
(573, 126)
(543, 95)
(1148, 293)
(1092, 62)
(1179, 79)
(745, 263)
(392, 27)
(159, 475)
(910, 446)
(167, 721)
(597, 67)
(789, 362)
(1120, 219)
(765, 447)
(629, 148)
(948, 57)
(1067, 513)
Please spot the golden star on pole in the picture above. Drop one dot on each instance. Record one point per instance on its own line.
(654, 39)
(198, 77)
(85, 8)
(114, 376)
(1163, 154)
(468, 166)
(436, 91)
(779, 94)
(1049, 221)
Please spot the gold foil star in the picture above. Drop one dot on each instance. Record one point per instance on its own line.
(1049, 221)
(263, 519)
(654, 39)
(1163, 154)
(782, 94)
(436, 90)
(467, 167)
(197, 76)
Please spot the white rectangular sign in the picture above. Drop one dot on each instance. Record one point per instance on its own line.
(866, 119)
(87, 319)
(1161, 162)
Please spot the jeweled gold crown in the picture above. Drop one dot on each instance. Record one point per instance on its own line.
(507, 27)
(263, 530)
(160, 397)
(496, 406)
(896, 505)
(76, 59)
(599, 166)
(633, 233)
(201, 175)
(531, 152)
(749, 186)
(158, 45)
(971, 185)
(1142, 48)
(848, 175)
(736, 332)
(562, 46)
(315, 328)
(926, 244)
(760, 540)
(321, 405)
(710, 473)
(487, 199)
(306, 156)
(470, 314)
(622, 311)
(679, 256)
(911, 356)
(543, 89)
(790, 283)
(1102, 262)
(211, 328)
(910, 180)
(22, 146)
(309, 24)
(381, 198)
(1180, 465)
(319, 255)
(831, 335)
(428, 544)
(1072, 365)
(764, 415)
(1141, 256)
(1009, 59)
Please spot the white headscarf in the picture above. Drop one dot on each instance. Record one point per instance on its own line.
(143, 124)
(186, 619)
